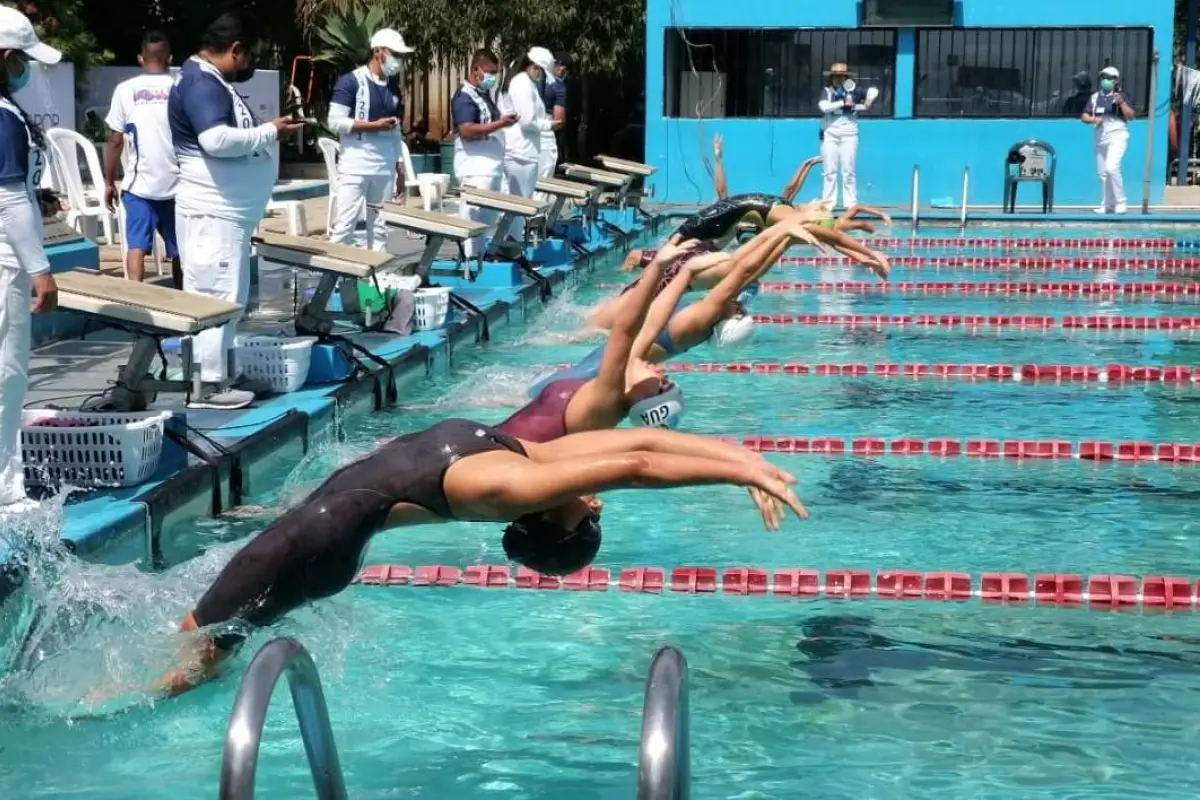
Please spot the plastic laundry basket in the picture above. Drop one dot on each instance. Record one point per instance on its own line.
(432, 308)
(281, 361)
(90, 449)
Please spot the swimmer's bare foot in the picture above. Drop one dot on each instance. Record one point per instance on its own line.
(248, 512)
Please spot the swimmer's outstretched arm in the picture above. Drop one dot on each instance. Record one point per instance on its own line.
(801, 175)
(718, 150)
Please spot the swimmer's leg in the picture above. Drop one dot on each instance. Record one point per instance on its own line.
(199, 661)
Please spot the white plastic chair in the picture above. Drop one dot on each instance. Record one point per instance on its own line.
(86, 201)
(412, 180)
(329, 151)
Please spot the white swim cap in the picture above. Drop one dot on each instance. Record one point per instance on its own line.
(663, 410)
(733, 331)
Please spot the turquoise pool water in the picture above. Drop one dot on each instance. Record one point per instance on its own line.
(502, 694)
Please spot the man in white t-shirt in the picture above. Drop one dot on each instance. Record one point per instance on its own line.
(226, 174)
(137, 121)
(366, 111)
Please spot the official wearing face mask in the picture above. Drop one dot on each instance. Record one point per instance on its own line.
(366, 112)
(1109, 111)
(523, 141)
(25, 282)
(554, 97)
(226, 172)
(840, 103)
(478, 129)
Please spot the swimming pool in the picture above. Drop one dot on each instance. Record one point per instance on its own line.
(471, 694)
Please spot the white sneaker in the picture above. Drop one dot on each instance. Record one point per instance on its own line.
(1120, 209)
(1100, 210)
(228, 400)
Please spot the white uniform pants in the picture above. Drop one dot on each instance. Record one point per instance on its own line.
(215, 255)
(354, 192)
(522, 180)
(547, 163)
(1109, 153)
(839, 151)
(16, 309)
(476, 245)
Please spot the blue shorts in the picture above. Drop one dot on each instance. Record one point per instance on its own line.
(143, 217)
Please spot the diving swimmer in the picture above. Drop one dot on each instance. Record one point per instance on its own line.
(622, 386)
(457, 470)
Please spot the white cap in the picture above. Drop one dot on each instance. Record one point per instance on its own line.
(733, 331)
(663, 410)
(391, 39)
(1112, 72)
(542, 57)
(16, 33)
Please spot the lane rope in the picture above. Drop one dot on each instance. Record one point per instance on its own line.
(1057, 373)
(1102, 591)
(1025, 322)
(1005, 242)
(1166, 266)
(948, 447)
(1001, 290)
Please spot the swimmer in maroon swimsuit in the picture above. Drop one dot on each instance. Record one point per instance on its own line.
(457, 470)
(622, 387)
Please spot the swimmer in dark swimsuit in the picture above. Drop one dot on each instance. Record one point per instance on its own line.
(457, 470)
(622, 387)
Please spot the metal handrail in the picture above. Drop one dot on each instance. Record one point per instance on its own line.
(240, 759)
(916, 193)
(962, 221)
(663, 769)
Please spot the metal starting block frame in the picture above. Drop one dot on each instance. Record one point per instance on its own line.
(436, 228)
(510, 207)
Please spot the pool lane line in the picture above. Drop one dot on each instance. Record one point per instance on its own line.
(988, 321)
(1165, 266)
(1100, 591)
(1036, 243)
(999, 290)
(987, 448)
(1177, 375)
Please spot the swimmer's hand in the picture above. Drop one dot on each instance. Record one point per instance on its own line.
(800, 231)
(885, 218)
(674, 250)
(771, 490)
(873, 260)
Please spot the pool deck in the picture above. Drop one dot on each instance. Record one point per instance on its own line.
(242, 449)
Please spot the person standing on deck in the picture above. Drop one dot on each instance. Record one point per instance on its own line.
(26, 285)
(226, 173)
(554, 96)
(1109, 112)
(138, 125)
(478, 129)
(523, 141)
(366, 112)
(840, 103)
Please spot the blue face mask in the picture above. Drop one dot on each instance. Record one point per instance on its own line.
(1107, 84)
(488, 81)
(18, 82)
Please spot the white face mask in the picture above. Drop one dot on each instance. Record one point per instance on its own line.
(391, 66)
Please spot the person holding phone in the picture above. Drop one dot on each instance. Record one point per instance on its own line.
(366, 111)
(840, 103)
(1109, 111)
(478, 127)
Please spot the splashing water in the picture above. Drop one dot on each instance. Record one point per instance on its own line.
(562, 322)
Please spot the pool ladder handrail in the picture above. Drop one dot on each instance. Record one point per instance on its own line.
(663, 766)
(244, 735)
(916, 194)
(962, 219)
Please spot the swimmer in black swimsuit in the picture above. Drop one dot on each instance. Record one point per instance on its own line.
(458, 470)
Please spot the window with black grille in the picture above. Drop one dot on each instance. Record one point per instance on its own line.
(1025, 72)
(770, 72)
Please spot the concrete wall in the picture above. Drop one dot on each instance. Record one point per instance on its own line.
(762, 153)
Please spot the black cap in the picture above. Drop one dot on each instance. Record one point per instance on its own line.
(551, 549)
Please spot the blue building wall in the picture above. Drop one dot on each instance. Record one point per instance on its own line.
(762, 153)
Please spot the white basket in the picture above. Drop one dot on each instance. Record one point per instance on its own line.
(432, 308)
(121, 450)
(401, 283)
(281, 361)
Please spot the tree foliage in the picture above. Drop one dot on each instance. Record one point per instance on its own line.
(61, 24)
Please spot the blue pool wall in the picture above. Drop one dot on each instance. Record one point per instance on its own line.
(761, 154)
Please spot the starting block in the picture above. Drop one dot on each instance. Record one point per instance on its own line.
(335, 263)
(585, 194)
(436, 228)
(626, 167)
(510, 207)
(151, 313)
(616, 183)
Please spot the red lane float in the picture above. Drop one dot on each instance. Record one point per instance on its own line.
(1101, 591)
(1040, 243)
(1023, 449)
(1022, 321)
(1174, 265)
(1022, 290)
(1112, 373)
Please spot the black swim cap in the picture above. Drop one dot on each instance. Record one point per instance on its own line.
(551, 549)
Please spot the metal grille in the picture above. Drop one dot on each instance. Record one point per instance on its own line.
(1025, 72)
(775, 72)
